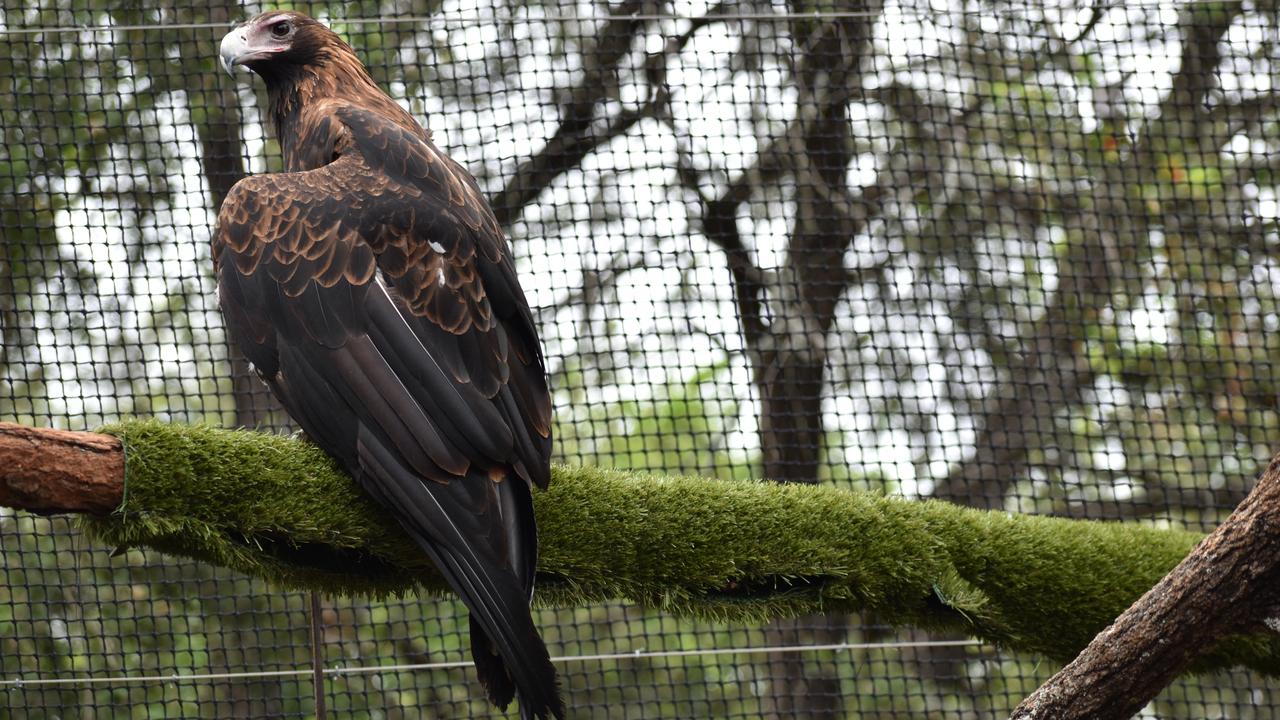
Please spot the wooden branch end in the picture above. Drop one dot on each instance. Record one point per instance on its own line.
(1228, 584)
(48, 471)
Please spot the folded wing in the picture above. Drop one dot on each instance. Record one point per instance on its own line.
(376, 297)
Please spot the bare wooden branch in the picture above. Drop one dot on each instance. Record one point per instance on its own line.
(1230, 583)
(578, 134)
(49, 471)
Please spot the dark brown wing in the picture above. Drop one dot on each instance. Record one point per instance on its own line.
(442, 251)
(328, 237)
(383, 310)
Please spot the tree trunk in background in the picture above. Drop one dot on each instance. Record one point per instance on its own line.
(9, 347)
(1052, 372)
(27, 245)
(789, 356)
(222, 160)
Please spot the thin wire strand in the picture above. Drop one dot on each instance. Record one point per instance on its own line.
(402, 20)
(368, 669)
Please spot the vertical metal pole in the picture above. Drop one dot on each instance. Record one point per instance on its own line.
(317, 656)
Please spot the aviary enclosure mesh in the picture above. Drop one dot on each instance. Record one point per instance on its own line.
(1019, 256)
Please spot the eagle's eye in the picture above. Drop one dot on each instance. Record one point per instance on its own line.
(281, 30)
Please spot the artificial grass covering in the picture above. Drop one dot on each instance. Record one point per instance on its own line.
(278, 508)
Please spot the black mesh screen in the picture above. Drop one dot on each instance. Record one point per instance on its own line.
(1015, 256)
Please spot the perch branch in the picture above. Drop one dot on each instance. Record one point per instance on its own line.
(279, 509)
(1229, 584)
(55, 471)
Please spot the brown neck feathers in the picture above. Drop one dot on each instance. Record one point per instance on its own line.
(333, 72)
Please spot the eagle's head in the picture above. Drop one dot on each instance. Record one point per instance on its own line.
(276, 42)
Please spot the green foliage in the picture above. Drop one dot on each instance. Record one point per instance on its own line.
(277, 508)
(682, 424)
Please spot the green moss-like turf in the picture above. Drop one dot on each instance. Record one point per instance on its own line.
(279, 508)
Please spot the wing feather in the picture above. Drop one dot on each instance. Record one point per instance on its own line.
(317, 281)
(376, 297)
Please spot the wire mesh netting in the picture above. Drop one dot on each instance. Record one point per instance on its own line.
(1016, 256)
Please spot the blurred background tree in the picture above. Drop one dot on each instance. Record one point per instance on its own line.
(1014, 256)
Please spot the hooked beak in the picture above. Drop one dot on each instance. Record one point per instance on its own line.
(234, 49)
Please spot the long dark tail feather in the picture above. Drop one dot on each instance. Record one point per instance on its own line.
(490, 668)
(516, 506)
(509, 654)
(489, 664)
(502, 633)
(497, 681)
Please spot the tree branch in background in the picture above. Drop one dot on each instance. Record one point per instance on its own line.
(578, 133)
(595, 283)
(1053, 373)
(1226, 121)
(720, 226)
(1229, 584)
